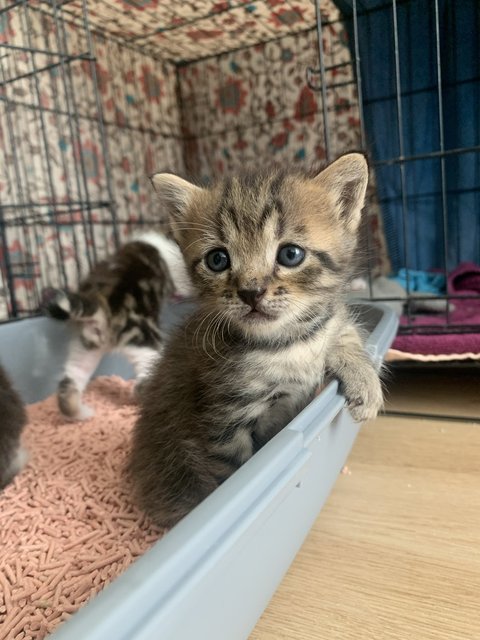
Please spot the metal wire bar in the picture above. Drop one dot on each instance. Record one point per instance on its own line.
(361, 117)
(358, 74)
(425, 156)
(66, 173)
(75, 134)
(316, 72)
(101, 126)
(61, 255)
(439, 329)
(20, 190)
(406, 253)
(326, 127)
(36, 71)
(47, 222)
(76, 204)
(424, 194)
(338, 65)
(11, 6)
(8, 264)
(425, 89)
(131, 132)
(134, 133)
(52, 265)
(58, 3)
(72, 98)
(61, 112)
(477, 101)
(437, 296)
(442, 148)
(48, 52)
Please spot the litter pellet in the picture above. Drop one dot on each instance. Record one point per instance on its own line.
(71, 526)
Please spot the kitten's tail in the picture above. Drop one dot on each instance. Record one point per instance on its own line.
(65, 305)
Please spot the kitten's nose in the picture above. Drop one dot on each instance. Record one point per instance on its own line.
(251, 296)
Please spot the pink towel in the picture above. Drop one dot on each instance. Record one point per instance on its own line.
(464, 280)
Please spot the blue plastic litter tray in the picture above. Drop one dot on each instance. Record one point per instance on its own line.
(212, 575)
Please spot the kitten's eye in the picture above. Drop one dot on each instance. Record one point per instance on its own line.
(217, 260)
(290, 255)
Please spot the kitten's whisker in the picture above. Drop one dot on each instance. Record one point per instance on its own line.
(205, 331)
(196, 334)
(191, 224)
(190, 228)
(220, 323)
(194, 242)
(205, 335)
(215, 326)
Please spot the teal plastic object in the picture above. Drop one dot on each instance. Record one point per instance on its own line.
(212, 575)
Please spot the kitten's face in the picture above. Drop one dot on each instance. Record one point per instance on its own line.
(268, 252)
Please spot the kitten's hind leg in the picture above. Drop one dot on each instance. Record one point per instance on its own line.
(143, 359)
(81, 363)
(18, 460)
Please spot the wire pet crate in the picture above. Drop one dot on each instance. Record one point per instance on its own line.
(92, 104)
(418, 108)
(56, 198)
(134, 100)
(417, 104)
(59, 126)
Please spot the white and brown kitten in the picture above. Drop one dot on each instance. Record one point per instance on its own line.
(117, 308)
(13, 418)
(270, 255)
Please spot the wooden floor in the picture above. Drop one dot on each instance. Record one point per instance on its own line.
(395, 553)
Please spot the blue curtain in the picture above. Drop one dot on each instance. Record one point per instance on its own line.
(414, 225)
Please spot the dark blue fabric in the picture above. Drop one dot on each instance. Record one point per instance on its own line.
(416, 239)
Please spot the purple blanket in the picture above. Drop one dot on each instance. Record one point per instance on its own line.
(464, 280)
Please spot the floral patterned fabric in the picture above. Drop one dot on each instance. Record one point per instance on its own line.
(190, 29)
(57, 172)
(71, 164)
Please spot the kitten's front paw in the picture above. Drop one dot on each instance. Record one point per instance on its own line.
(85, 413)
(363, 392)
(69, 399)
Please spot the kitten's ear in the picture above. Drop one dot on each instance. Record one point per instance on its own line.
(175, 194)
(346, 179)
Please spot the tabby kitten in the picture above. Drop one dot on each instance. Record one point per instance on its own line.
(269, 254)
(13, 418)
(117, 307)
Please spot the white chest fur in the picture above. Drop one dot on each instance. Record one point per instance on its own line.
(300, 363)
(282, 381)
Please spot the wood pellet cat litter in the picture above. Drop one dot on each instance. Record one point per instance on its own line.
(68, 526)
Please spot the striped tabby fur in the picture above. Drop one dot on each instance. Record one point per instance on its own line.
(12, 421)
(117, 307)
(266, 334)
